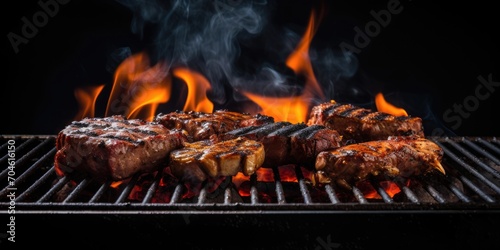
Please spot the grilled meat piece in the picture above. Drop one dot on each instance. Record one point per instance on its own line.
(287, 143)
(273, 136)
(357, 124)
(200, 160)
(114, 148)
(201, 126)
(307, 143)
(397, 156)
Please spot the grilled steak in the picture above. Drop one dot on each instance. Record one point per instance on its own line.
(201, 126)
(114, 148)
(396, 156)
(287, 143)
(204, 159)
(357, 124)
(307, 143)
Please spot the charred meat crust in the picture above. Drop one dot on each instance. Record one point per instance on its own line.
(358, 124)
(114, 148)
(287, 143)
(307, 143)
(396, 156)
(200, 125)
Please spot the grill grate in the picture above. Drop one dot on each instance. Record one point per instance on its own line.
(472, 182)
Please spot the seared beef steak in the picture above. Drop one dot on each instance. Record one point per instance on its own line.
(200, 160)
(114, 148)
(357, 124)
(201, 126)
(307, 143)
(396, 156)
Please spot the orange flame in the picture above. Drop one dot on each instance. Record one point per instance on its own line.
(86, 98)
(384, 106)
(295, 109)
(291, 109)
(299, 60)
(198, 86)
(138, 88)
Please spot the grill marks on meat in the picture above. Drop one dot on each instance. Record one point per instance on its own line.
(396, 156)
(204, 159)
(287, 143)
(357, 124)
(307, 143)
(114, 148)
(201, 126)
(342, 142)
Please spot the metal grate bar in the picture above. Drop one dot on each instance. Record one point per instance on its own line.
(491, 147)
(152, 189)
(227, 196)
(413, 198)
(126, 191)
(305, 192)
(474, 158)
(435, 194)
(4, 146)
(176, 196)
(254, 194)
(381, 191)
(407, 191)
(459, 193)
(359, 195)
(61, 182)
(81, 186)
(100, 192)
(331, 194)
(35, 185)
(476, 189)
(36, 165)
(470, 169)
(279, 187)
(26, 156)
(303, 187)
(30, 170)
(280, 194)
(496, 141)
(20, 148)
(484, 152)
(202, 197)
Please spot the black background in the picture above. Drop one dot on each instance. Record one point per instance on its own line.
(430, 50)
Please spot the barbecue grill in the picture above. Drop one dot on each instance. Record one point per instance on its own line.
(456, 210)
(397, 47)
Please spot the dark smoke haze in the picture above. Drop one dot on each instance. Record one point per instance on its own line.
(234, 44)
